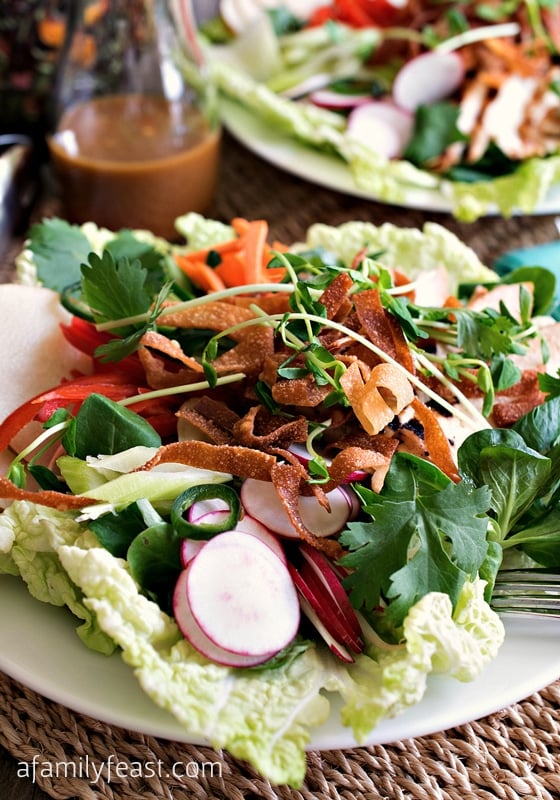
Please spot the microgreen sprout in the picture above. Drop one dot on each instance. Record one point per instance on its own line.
(51, 434)
(317, 465)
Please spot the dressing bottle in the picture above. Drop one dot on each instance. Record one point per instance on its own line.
(135, 137)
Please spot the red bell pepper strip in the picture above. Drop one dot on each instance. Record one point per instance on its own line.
(111, 384)
(84, 337)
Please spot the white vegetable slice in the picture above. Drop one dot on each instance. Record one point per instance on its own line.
(261, 501)
(201, 508)
(326, 98)
(196, 636)
(242, 595)
(428, 78)
(37, 354)
(190, 547)
(248, 524)
(381, 126)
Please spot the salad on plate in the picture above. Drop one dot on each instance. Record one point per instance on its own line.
(458, 100)
(271, 475)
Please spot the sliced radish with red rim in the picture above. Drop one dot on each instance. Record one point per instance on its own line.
(327, 98)
(261, 501)
(382, 126)
(242, 596)
(427, 79)
(328, 577)
(193, 633)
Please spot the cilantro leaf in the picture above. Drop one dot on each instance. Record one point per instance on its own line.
(549, 384)
(115, 289)
(58, 250)
(423, 538)
(126, 245)
(487, 333)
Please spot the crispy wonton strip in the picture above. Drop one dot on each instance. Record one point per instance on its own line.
(248, 355)
(335, 295)
(241, 461)
(377, 399)
(276, 431)
(58, 500)
(302, 392)
(381, 328)
(215, 316)
(169, 347)
(287, 479)
(355, 458)
(210, 429)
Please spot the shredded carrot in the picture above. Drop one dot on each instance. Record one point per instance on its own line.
(201, 274)
(255, 243)
(95, 12)
(244, 259)
(232, 245)
(231, 270)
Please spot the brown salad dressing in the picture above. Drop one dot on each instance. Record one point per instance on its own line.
(134, 161)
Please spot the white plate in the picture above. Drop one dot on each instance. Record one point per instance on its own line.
(40, 649)
(328, 170)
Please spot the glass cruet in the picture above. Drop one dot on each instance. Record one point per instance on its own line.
(135, 137)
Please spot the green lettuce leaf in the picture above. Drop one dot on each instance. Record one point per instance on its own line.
(437, 639)
(201, 232)
(30, 536)
(410, 249)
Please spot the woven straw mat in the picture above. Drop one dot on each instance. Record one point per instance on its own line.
(512, 754)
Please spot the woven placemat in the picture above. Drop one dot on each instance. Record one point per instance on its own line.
(512, 754)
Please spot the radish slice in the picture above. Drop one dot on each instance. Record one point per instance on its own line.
(200, 508)
(196, 636)
(428, 78)
(242, 596)
(382, 126)
(246, 525)
(326, 98)
(326, 574)
(255, 528)
(189, 549)
(353, 501)
(338, 649)
(313, 592)
(261, 501)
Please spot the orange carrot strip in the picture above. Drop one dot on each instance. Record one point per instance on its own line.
(232, 245)
(231, 270)
(201, 274)
(255, 244)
